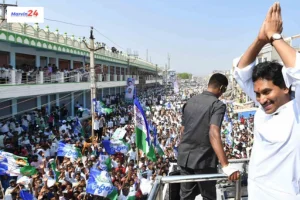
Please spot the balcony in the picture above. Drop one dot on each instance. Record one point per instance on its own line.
(20, 84)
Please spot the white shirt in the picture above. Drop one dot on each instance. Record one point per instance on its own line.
(96, 124)
(274, 168)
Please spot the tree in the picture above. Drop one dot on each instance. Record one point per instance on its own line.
(184, 75)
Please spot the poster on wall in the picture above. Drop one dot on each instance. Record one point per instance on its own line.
(130, 90)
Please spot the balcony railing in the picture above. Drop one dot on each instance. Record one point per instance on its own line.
(156, 192)
(17, 77)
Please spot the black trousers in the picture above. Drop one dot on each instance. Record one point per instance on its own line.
(207, 189)
(99, 133)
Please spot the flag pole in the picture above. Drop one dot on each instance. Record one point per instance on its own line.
(137, 149)
(2, 189)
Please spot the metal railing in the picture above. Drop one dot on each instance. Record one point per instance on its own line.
(156, 192)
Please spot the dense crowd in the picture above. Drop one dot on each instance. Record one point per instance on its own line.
(38, 134)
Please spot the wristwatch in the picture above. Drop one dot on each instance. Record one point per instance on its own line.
(275, 36)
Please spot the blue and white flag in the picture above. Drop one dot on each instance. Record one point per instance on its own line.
(105, 162)
(155, 136)
(168, 105)
(26, 195)
(77, 123)
(176, 87)
(68, 150)
(95, 103)
(3, 165)
(114, 146)
(11, 164)
(228, 139)
(100, 184)
(78, 126)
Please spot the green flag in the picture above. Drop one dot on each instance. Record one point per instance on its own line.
(142, 132)
(159, 150)
(107, 110)
(79, 154)
(108, 164)
(28, 171)
(131, 195)
(55, 172)
(151, 154)
(113, 195)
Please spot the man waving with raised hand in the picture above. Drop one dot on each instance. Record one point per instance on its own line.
(274, 169)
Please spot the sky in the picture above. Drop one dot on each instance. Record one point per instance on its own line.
(199, 35)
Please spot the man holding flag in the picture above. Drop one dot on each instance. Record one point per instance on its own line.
(143, 141)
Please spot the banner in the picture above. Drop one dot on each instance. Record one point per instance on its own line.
(119, 134)
(11, 164)
(113, 146)
(176, 87)
(100, 184)
(68, 150)
(130, 90)
(105, 162)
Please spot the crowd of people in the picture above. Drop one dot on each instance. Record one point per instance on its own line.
(38, 134)
(237, 134)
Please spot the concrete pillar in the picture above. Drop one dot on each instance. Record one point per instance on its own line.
(108, 77)
(12, 59)
(57, 99)
(102, 93)
(72, 104)
(61, 77)
(38, 61)
(57, 62)
(14, 108)
(48, 60)
(39, 102)
(77, 77)
(71, 64)
(84, 99)
(13, 77)
(99, 77)
(49, 103)
(41, 80)
(115, 77)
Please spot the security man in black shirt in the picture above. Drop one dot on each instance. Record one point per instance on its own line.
(201, 145)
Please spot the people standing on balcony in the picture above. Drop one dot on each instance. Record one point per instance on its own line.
(50, 71)
(201, 146)
(274, 169)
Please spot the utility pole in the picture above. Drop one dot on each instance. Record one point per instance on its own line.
(156, 76)
(92, 75)
(3, 7)
(169, 61)
(147, 55)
